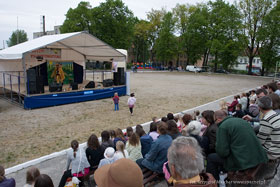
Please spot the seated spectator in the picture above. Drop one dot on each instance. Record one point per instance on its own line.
(31, 175)
(269, 128)
(179, 122)
(122, 173)
(253, 95)
(170, 116)
(146, 141)
(253, 109)
(173, 130)
(210, 132)
(237, 146)
(77, 158)
(153, 131)
(164, 119)
(186, 164)
(4, 182)
(106, 141)
(187, 118)
(108, 157)
(273, 88)
(120, 151)
(43, 180)
(275, 102)
(155, 119)
(196, 115)
(129, 131)
(157, 155)
(223, 105)
(112, 135)
(94, 152)
(243, 101)
(231, 107)
(119, 137)
(238, 111)
(193, 129)
(133, 147)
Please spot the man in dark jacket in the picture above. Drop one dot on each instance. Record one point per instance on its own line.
(237, 144)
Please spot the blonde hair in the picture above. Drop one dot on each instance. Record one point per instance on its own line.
(120, 147)
(116, 93)
(223, 105)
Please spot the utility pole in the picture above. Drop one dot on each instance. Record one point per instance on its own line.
(44, 26)
(3, 44)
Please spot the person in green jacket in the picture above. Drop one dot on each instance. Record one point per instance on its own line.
(237, 145)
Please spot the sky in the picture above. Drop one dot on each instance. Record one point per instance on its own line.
(26, 14)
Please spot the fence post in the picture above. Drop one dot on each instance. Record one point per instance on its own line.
(11, 87)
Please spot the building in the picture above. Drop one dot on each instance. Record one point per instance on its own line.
(55, 31)
(243, 64)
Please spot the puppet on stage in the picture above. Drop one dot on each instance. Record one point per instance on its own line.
(58, 74)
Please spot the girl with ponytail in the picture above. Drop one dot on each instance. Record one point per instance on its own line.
(78, 160)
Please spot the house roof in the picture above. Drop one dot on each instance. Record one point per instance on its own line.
(86, 44)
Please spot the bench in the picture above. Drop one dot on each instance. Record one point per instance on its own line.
(149, 176)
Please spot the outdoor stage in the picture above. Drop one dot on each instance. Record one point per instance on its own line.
(17, 93)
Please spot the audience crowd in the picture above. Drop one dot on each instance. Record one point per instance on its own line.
(190, 149)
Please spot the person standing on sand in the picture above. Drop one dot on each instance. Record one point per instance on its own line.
(116, 101)
(131, 102)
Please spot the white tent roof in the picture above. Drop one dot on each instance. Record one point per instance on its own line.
(89, 46)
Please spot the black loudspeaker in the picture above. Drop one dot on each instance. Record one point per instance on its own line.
(40, 84)
(91, 84)
(31, 75)
(121, 76)
(74, 86)
(116, 78)
(108, 83)
(32, 87)
(54, 87)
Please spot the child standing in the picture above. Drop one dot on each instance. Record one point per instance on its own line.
(116, 101)
(131, 101)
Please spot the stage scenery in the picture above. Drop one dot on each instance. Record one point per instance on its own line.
(51, 70)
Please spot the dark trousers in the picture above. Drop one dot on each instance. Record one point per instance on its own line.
(131, 110)
(139, 162)
(214, 165)
(64, 177)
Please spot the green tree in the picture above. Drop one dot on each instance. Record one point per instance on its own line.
(111, 22)
(270, 37)
(155, 18)
(18, 36)
(165, 45)
(141, 41)
(78, 19)
(114, 23)
(225, 33)
(253, 13)
(182, 15)
(197, 35)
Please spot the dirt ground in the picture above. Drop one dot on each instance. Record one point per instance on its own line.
(29, 134)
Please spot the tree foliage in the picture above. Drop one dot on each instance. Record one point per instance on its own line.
(165, 45)
(253, 13)
(18, 36)
(270, 37)
(111, 22)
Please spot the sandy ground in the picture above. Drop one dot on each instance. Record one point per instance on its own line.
(29, 134)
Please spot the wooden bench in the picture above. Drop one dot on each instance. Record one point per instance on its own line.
(149, 176)
(244, 175)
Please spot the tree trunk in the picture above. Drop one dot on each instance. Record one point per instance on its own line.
(262, 71)
(250, 65)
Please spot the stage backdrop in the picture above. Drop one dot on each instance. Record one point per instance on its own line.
(64, 69)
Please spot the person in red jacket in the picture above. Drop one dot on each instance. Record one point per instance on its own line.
(116, 101)
(231, 107)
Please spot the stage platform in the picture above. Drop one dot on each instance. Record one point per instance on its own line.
(60, 98)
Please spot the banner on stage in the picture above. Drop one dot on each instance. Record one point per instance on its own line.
(60, 72)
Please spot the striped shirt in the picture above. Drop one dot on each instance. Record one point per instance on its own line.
(269, 134)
